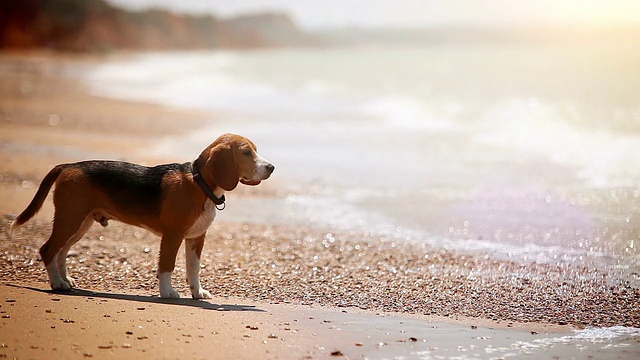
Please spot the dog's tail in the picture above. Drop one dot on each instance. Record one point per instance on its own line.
(38, 199)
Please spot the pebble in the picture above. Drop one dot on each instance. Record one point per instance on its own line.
(301, 265)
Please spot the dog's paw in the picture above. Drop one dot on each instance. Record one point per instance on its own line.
(60, 285)
(71, 281)
(166, 290)
(170, 294)
(202, 294)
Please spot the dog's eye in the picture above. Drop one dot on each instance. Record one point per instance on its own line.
(246, 153)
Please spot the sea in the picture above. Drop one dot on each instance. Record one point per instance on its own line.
(525, 151)
(522, 151)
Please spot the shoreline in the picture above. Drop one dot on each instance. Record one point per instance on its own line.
(271, 266)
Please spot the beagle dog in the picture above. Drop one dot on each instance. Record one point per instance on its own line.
(174, 201)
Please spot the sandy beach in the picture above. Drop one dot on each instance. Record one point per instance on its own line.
(280, 291)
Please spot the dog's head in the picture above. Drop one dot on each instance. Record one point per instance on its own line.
(231, 159)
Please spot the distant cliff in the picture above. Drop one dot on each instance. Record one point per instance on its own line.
(94, 25)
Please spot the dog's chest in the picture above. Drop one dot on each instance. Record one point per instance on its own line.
(204, 220)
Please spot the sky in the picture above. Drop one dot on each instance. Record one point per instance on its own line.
(319, 14)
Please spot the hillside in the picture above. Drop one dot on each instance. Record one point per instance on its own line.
(94, 25)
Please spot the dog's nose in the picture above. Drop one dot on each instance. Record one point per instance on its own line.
(270, 168)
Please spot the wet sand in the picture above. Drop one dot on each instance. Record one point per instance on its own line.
(310, 292)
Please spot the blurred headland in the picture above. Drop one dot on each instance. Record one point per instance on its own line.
(95, 25)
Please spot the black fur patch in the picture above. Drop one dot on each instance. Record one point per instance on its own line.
(128, 183)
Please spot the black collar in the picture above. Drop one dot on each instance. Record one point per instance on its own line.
(219, 201)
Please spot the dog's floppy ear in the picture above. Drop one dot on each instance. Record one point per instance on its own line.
(221, 165)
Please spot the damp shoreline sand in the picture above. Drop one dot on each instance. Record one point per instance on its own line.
(353, 294)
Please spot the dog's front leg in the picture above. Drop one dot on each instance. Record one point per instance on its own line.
(169, 246)
(193, 250)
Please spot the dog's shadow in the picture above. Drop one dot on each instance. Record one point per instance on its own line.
(201, 304)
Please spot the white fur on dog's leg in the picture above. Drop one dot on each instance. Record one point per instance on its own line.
(55, 280)
(193, 273)
(62, 270)
(166, 290)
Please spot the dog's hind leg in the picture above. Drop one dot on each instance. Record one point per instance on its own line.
(65, 226)
(62, 255)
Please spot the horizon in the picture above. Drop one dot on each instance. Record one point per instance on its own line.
(390, 14)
